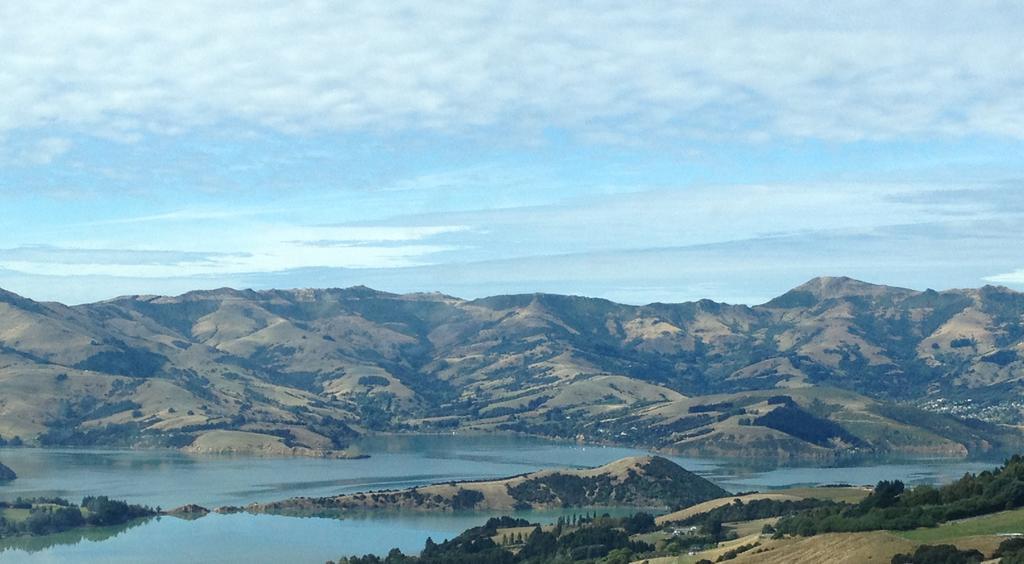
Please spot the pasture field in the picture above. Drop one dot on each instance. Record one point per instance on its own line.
(1005, 522)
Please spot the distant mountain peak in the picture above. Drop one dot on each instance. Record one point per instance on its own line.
(362, 291)
(823, 288)
(996, 289)
(830, 287)
(211, 294)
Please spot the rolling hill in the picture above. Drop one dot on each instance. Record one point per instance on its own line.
(645, 481)
(832, 367)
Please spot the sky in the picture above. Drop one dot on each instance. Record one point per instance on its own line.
(636, 151)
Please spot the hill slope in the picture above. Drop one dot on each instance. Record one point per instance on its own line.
(643, 481)
(311, 369)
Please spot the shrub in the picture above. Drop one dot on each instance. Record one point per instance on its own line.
(939, 554)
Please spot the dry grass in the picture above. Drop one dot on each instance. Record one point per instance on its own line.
(724, 547)
(838, 548)
(509, 534)
(716, 503)
(747, 528)
(667, 560)
(220, 441)
(254, 444)
(848, 495)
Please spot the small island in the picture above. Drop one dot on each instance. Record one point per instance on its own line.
(225, 441)
(6, 474)
(642, 481)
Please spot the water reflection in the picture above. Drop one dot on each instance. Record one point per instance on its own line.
(92, 534)
(170, 478)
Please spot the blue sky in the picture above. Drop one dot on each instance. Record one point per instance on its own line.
(650, 151)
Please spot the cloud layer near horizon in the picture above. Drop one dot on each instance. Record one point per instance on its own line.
(740, 244)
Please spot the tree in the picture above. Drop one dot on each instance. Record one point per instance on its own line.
(538, 545)
(939, 554)
(886, 494)
(713, 528)
(619, 556)
(429, 548)
(639, 523)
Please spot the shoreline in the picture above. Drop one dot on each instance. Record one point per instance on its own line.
(837, 459)
(820, 460)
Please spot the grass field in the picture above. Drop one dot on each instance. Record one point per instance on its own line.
(849, 495)
(719, 502)
(653, 537)
(725, 546)
(671, 560)
(14, 515)
(981, 533)
(746, 528)
(1005, 522)
(834, 548)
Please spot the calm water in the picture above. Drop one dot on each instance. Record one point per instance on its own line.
(169, 479)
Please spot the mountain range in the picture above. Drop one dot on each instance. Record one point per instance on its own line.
(831, 368)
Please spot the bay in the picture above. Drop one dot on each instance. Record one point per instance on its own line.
(170, 478)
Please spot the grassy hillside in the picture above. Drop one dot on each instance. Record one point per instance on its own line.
(811, 374)
(1001, 523)
(647, 481)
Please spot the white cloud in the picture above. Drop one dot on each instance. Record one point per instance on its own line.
(635, 71)
(1016, 277)
(188, 215)
(669, 218)
(354, 234)
(101, 256)
(739, 243)
(42, 151)
(251, 248)
(278, 258)
(47, 149)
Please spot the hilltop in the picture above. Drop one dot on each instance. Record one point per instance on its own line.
(832, 367)
(643, 481)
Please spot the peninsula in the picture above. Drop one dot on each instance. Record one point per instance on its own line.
(644, 482)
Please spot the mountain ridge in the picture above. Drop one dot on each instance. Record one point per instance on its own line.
(313, 368)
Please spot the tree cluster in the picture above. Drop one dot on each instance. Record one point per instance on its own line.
(602, 539)
(54, 515)
(892, 506)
